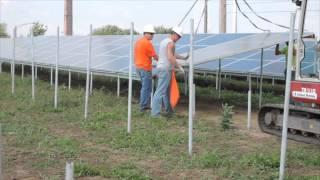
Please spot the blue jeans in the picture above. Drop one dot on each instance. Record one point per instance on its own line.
(162, 93)
(146, 84)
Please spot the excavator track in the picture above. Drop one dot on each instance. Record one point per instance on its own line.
(303, 123)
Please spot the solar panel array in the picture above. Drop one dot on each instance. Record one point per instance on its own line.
(273, 65)
(110, 54)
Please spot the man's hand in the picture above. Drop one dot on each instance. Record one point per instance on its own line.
(277, 51)
(187, 57)
(180, 68)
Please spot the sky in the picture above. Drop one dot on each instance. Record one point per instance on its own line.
(142, 12)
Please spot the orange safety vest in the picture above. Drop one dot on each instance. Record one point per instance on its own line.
(143, 54)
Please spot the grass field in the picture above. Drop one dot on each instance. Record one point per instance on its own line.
(39, 140)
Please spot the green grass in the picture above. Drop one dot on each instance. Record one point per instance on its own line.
(40, 139)
(122, 171)
(128, 171)
(307, 158)
(263, 161)
(81, 169)
(212, 159)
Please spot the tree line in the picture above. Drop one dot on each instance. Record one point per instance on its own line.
(39, 29)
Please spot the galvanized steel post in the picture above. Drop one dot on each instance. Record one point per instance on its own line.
(69, 80)
(130, 78)
(219, 79)
(272, 81)
(152, 92)
(32, 65)
(286, 100)
(69, 171)
(13, 60)
(57, 70)
(88, 75)
(191, 87)
(118, 86)
(1, 154)
(261, 79)
(22, 71)
(186, 83)
(194, 101)
(36, 71)
(91, 83)
(249, 102)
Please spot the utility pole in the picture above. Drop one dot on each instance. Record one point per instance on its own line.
(235, 17)
(319, 24)
(205, 28)
(223, 16)
(68, 18)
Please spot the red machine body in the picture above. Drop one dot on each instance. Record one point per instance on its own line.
(304, 115)
(305, 92)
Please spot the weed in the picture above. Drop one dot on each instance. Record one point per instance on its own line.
(306, 158)
(261, 160)
(129, 171)
(122, 171)
(226, 117)
(69, 147)
(81, 170)
(212, 159)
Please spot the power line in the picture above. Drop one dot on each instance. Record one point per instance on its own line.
(251, 22)
(263, 18)
(263, 12)
(268, 2)
(204, 10)
(184, 17)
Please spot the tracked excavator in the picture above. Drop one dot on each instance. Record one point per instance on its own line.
(304, 114)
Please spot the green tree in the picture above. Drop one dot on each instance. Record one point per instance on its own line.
(112, 30)
(3, 30)
(162, 30)
(39, 29)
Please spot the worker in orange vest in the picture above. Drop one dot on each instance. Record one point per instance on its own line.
(143, 54)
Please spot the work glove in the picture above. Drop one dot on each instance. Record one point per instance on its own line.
(187, 57)
(180, 68)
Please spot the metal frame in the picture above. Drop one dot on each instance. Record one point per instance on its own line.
(57, 70)
(88, 74)
(123, 73)
(130, 78)
(191, 89)
(98, 67)
(286, 101)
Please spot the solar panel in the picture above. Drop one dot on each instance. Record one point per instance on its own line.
(110, 54)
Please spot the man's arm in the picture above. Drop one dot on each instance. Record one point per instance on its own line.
(152, 53)
(277, 51)
(294, 50)
(170, 54)
(181, 57)
(156, 57)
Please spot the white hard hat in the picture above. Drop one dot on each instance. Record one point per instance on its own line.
(149, 29)
(178, 30)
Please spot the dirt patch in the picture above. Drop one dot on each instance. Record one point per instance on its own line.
(91, 178)
(192, 174)
(155, 167)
